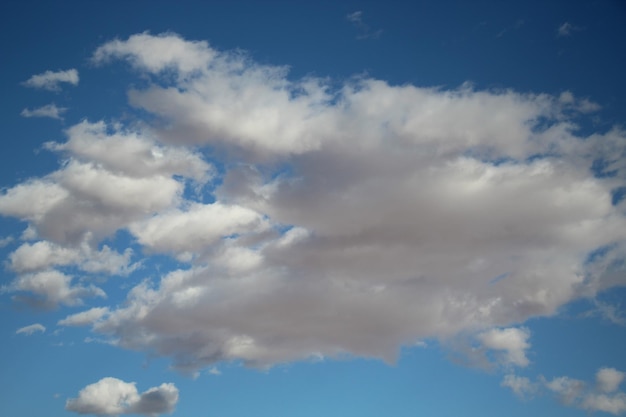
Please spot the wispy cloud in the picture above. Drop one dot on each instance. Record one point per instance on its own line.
(51, 80)
(365, 32)
(566, 29)
(33, 328)
(49, 110)
(6, 241)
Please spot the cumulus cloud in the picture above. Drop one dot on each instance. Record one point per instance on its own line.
(50, 288)
(109, 180)
(112, 397)
(43, 255)
(512, 342)
(609, 379)
(33, 328)
(352, 219)
(49, 110)
(51, 80)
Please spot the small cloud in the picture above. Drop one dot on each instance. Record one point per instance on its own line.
(49, 110)
(516, 26)
(609, 379)
(568, 389)
(5, 241)
(585, 106)
(511, 342)
(566, 29)
(28, 330)
(521, 386)
(50, 80)
(112, 397)
(84, 318)
(215, 371)
(365, 32)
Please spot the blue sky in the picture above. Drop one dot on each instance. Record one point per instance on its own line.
(313, 209)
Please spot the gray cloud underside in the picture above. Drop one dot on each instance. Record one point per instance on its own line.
(353, 220)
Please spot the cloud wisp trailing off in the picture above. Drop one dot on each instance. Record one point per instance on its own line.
(312, 220)
(49, 110)
(52, 80)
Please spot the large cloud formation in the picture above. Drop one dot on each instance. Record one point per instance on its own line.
(349, 220)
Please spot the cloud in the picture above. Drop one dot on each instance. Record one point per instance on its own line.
(609, 379)
(521, 386)
(604, 397)
(112, 397)
(49, 288)
(109, 180)
(49, 110)
(51, 80)
(6, 241)
(614, 404)
(365, 32)
(33, 328)
(568, 101)
(43, 254)
(513, 342)
(337, 220)
(215, 371)
(84, 317)
(567, 29)
(157, 53)
(568, 389)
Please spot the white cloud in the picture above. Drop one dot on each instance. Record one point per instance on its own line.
(33, 328)
(513, 342)
(567, 29)
(568, 101)
(50, 288)
(157, 53)
(130, 152)
(84, 317)
(614, 404)
(43, 255)
(51, 80)
(341, 220)
(521, 386)
(112, 397)
(6, 241)
(604, 397)
(568, 389)
(195, 228)
(365, 32)
(49, 110)
(609, 379)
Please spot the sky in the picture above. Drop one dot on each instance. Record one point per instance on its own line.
(294, 209)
